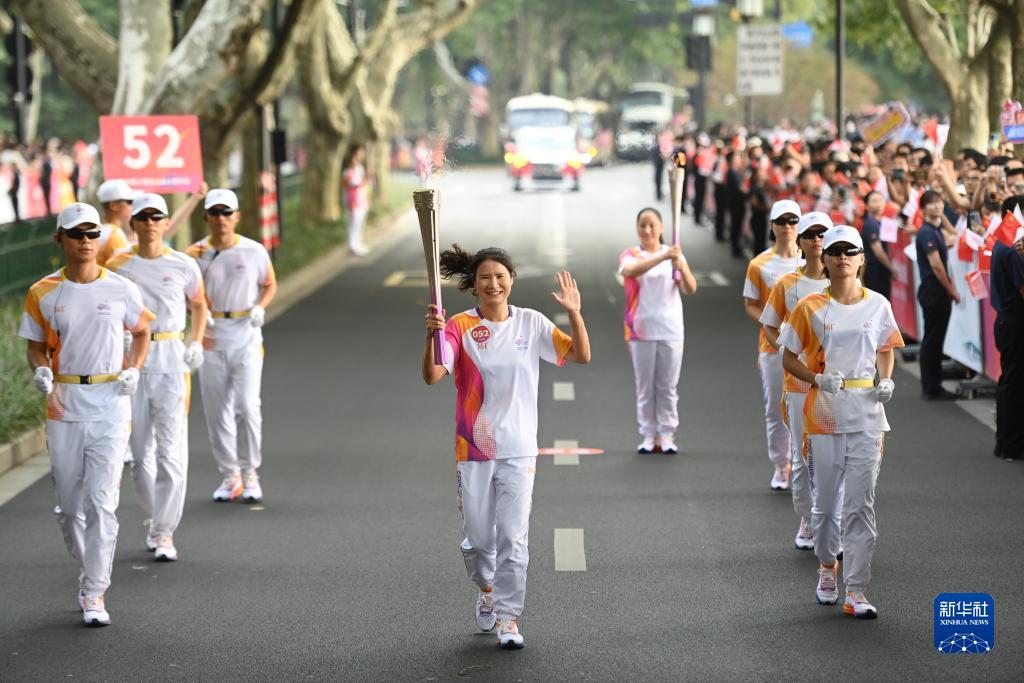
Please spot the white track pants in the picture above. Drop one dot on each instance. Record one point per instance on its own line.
(494, 499)
(87, 459)
(160, 443)
(770, 365)
(656, 366)
(230, 385)
(356, 220)
(849, 461)
(800, 479)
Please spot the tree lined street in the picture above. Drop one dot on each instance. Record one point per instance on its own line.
(350, 569)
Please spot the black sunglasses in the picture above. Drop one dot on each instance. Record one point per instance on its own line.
(150, 217)
(843, 251)
(786, 221)
(79, 234)
(812, 234)
(227, 213)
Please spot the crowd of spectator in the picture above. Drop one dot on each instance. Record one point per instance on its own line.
(927, 202)
(41, 178)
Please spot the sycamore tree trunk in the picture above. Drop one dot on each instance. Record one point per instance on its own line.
(321, 181)
(1000, 77)
(964, 72)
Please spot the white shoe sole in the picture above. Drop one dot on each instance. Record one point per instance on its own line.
(511, 644)
(803, 545)
(165, 557)
(96, 622)
(252, 499)
(826, 600)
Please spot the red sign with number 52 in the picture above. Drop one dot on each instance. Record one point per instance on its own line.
(153, 153)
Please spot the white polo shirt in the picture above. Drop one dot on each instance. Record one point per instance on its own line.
(847, 338)
(654, 308)
(496, 367)
(83, 327)
(233, 278)
(167, 283)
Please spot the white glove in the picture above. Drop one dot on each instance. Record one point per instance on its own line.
(257, 314)
(830, 382)
(210, 321)
(194, 355)
(883, 392)
(128, 381)
(127, 342)
(43, 380)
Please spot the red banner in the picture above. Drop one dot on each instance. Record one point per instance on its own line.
(153, 153)
(903, 296)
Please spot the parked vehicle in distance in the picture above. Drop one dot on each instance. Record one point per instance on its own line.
(646, 110)
(545, 155)
(590, 120)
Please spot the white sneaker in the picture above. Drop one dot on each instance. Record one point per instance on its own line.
(93, 611)
(780, 480)
(646, 446)
(509, 636)
(668, 444)
(253, 492)
(358, 250)
(484, 611)
(165, 550)
(804, 536)
(229, 489)
(828, 589)
(857, 605)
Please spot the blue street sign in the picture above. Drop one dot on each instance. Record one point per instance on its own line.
(799, 33)
(703, 3)
(478, 75)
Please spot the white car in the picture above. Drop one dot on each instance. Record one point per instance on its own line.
(545, 155)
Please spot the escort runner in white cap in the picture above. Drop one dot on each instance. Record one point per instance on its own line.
(240, 284)
(171, 285)
(788, 290)
(836, 341)
(116, 198)
(763, 271)
(654, 329)
(73, 322)
(495, 351)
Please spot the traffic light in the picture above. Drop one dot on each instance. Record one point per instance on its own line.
(18, 66)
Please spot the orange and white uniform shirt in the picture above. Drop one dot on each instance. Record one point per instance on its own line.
(785, 295)
(233, 278)
(82, 326)
(830, 336)
(167, 284)
(762, 273)
(654, 308)
(496, 368)
(112, 240)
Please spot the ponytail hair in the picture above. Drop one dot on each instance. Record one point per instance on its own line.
(460, 264)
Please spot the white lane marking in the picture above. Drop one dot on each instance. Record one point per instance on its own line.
(569, 553)
(561, 318)
(718, 279)
(564, 391)
(19, 478)
(573, 459)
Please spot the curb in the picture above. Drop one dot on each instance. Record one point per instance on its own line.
(22, 448)
(295, 288)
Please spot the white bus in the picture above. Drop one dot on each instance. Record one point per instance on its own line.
(536, 110)
(646, 109)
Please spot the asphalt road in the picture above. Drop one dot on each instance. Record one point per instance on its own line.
(351, 568)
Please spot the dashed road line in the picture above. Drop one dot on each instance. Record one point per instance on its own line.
(564, 391)
(566, 459)
(570, 555)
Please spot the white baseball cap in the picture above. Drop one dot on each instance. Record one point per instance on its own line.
(115, 190)
(811, 219)
(784, 206)
(842, 233)
(149, 200)
(77, 214)
(221, 196)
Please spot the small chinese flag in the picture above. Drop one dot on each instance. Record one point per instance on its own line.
(1007, 230)
(963, 250)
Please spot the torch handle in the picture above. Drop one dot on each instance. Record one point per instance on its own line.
(677, 177)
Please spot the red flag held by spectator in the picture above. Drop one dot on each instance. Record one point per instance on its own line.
(1007, 230)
